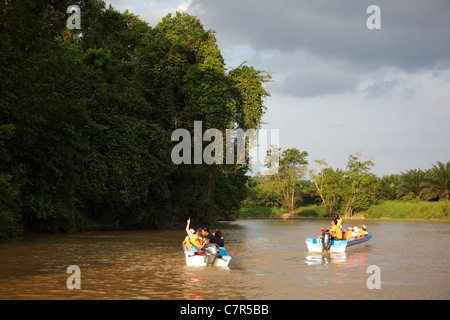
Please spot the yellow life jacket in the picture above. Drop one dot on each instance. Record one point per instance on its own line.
(337, 231)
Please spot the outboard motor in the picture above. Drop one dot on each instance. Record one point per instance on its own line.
(326, 241)
(212, 252)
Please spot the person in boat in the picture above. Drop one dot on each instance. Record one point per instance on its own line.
(208, 236)
(197, 242)
(363, 231)
(349, 233)
(219, 238)
(335, 231)
(338, 220)
(193, 240)
(190, 232)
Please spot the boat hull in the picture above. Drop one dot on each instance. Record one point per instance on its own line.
(196, 258)
(315, 244)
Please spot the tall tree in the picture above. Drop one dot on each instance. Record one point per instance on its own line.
(410, 183)
(360, 184)
(196, 87)
(436, 182)
(388, 187)
(329, 184)
(292, 168)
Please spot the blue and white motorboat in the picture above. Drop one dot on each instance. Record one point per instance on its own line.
(325, 243)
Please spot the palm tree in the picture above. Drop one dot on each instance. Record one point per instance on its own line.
(436, 183)
(388, 187)
(410, 182)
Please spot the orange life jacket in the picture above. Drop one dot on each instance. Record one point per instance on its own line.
(194, 240)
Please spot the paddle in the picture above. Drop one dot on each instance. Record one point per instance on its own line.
(201, 250)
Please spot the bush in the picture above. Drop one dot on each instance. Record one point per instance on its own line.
(312, 211)
(259, 212)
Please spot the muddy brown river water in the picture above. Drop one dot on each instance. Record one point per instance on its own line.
(269, 261)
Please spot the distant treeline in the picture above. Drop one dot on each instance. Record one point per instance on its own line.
(86, 118)
(347, 191)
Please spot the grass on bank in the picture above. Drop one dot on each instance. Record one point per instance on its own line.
(439, 210)
(411, 210)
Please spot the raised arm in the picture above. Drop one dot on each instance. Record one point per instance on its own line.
(187, 225)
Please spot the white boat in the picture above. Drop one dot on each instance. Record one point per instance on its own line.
(317, 245)
(212, 255)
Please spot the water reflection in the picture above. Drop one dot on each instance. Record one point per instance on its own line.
(192, 285)
(325, 258)
(353, 259)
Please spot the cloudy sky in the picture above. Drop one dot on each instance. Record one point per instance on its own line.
(340, 87)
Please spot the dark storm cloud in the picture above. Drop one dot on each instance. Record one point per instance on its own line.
(414, 35)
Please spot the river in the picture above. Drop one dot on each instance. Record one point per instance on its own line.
(270, 261)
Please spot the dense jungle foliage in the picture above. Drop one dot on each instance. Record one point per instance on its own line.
(86, 117)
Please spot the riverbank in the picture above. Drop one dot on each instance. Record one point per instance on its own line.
(259, 212)
(398, 210)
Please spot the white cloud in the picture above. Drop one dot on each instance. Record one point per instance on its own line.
(151, 11)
